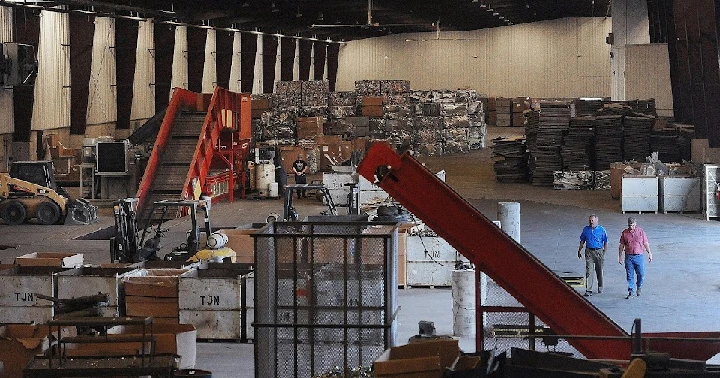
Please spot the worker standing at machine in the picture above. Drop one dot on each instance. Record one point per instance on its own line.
(300, 168)
(594, 238)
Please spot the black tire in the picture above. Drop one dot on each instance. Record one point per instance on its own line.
(13, 212)
(48, 212)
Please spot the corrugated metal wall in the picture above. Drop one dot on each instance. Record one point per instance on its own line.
(647, 75)
(559, 58)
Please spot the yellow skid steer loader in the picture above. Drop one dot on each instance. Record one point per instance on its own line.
(29, 191)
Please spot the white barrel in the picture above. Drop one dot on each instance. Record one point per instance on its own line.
(463, 294)
(274, 189)
(217, 240)
(264, 176)
(509, 217)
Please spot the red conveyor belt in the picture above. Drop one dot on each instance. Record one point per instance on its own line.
(516, 270)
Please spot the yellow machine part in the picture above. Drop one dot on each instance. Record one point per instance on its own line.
(209, 254)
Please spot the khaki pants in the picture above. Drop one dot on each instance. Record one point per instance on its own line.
(594, 259)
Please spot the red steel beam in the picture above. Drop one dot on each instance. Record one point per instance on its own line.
(505, 261)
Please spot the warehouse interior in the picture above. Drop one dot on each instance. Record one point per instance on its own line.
(152, 223)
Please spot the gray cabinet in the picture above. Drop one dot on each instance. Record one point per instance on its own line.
(679, 194)
(639, 193)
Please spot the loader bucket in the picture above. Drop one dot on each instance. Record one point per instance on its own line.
(80, 211)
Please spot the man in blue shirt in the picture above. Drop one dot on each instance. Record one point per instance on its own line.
(595, 239)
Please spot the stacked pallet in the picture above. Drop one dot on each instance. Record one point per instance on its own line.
(636, 137)
(587, 107)
(672, 143)
(578, 146)
(553, 120)
(608, 141)
(510, 160)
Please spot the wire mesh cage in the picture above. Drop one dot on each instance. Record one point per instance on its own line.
(325, 296)
(514, 328)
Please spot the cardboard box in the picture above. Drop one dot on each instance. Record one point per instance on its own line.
(425, 359)
(18, 345)
(372, 111)
(241, 241)
(260, 104)
(309, 127)
(372, 101)
(151, 306)
(328, 139)
(160, 283)
(64, 260)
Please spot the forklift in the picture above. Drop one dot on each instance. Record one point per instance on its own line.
(131, 244)
(290, 214)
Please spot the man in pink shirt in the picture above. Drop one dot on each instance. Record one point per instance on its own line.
(634, 243)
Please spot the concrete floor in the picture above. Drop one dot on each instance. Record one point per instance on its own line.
(681, 292)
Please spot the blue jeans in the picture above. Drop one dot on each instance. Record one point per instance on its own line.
(634, 264)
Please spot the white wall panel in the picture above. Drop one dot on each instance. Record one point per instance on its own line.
(102, 98)
(6, 24)
(209, 79)
(647, 75)
(143, 103)
(180, 60)
(558, 58)
(51, 107)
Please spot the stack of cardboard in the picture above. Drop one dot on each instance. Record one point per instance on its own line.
(309, 127)
(372, 106)
(519, 106)
(153, 292)
(503, 112)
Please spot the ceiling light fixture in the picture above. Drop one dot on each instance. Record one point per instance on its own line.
(298, 14)
(245, 4)
(273, 8)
